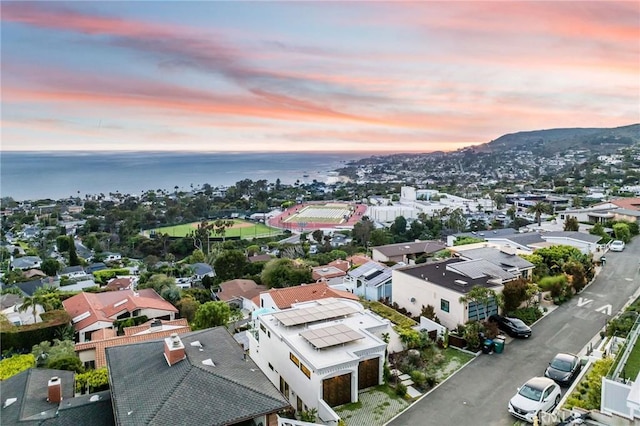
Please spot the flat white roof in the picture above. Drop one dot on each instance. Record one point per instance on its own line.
(360, 320)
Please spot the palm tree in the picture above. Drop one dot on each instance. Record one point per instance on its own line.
(31, 302)
(538, 209)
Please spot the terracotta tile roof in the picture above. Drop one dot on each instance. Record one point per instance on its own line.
(343, 265)
(100, 345)
(119, 284)
(627, 203)
(358, 259)
(108, 305)
(130, 331)
(233, 289)
(326, 272)
(285, 297)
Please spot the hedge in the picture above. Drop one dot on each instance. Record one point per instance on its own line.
(14, 365)
(92, 381)
(22, 338)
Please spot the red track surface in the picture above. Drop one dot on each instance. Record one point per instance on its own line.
(277, 222)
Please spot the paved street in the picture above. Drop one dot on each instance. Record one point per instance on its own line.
(479, 393)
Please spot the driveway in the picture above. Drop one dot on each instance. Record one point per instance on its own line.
(478, 394)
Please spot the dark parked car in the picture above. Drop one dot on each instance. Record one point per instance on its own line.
(564, 368)
(514, 327)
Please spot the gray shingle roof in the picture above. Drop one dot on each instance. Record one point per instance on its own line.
(524, 239)
(479, 268)
(573, 235)
(498, 257)
(31, 390)
(90, 410)
(147, 391)
(439, 274)
(392, 250)
(372, 273)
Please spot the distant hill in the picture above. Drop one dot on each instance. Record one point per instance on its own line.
(550, 141)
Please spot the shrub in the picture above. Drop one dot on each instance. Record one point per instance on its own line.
(92, 381)
(14, 365)
(553, 283)
(528, 315)
(587, 393)
(418, 377)
(401, 390)
(71, 363)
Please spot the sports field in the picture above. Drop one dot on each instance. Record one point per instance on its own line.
(240, 229)
(330, 213)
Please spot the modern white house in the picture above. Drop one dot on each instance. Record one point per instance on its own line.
(320, 354)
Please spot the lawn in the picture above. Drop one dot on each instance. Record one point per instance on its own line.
(632, 367)
(241, 229)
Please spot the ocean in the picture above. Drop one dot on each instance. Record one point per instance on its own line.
(57, 175)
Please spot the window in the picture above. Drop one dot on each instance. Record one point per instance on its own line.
(305, 370)
(263, 328)
(284, 387)
(444, 305)
(271, 366)
(294, 359)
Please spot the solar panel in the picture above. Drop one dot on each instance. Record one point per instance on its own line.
(321, 312)
(331, 336)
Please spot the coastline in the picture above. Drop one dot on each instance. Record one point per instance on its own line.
(59, 175)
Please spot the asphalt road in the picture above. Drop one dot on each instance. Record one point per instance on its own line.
(478, 394)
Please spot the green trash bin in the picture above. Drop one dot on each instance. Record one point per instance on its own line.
(498, 345)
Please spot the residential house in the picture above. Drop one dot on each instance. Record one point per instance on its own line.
(321, 354)
(10, 306)
(41, 396)
(34, 273)
(111, 257)
(481, 235)
(95, 267)
(92, 354)
(199, 378)
(586, 243)
(122, 283)
(283, 298)
(26, 262)
(94, 311)
(238, 293)
(505, 257)
(73, 272)
(442, 284)
(328, 273)
(29, 288)
(201, 270)
(371, 281)
(405, 253)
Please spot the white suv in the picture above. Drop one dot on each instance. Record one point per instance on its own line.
(537, 395)
(617, 245)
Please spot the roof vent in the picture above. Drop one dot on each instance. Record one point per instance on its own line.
(196, 343)
(209, 362)
(80, 317)
(461, 283)
(9, 401)
(120, 303)
(94, 398)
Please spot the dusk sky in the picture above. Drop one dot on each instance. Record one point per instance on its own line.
(311, 76)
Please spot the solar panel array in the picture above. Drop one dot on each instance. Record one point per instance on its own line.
(331, 336)
(314, 313)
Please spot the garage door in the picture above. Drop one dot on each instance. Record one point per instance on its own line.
(337, 390)
(368, 373)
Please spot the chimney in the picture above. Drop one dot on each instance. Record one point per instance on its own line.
(55, 390)
(173, 349)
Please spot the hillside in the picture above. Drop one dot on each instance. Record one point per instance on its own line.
(555, 140)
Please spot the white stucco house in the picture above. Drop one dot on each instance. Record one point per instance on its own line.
(320, 354)
(442, 284)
